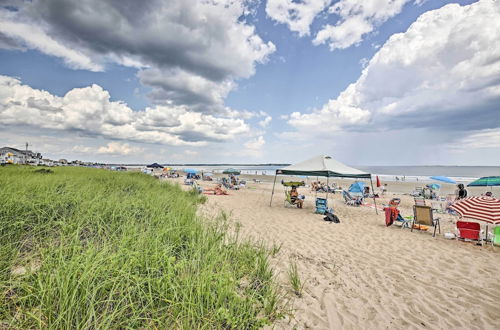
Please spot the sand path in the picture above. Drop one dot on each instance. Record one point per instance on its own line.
(360, 274)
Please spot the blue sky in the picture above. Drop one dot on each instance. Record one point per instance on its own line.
(253, 81)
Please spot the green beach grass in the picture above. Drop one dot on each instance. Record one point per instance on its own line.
(90, 248)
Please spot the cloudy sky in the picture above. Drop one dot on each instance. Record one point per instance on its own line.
(370, 82)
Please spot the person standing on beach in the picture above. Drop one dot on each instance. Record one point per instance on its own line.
(384, 188)
(460, 193)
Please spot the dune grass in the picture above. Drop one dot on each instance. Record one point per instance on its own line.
(294, 278)
(90, 248)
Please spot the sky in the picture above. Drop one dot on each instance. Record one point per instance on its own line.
(368, 82)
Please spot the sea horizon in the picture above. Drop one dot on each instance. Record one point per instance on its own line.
(389, 172)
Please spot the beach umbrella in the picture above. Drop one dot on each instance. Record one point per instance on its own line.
(443, 179)
(480, 208)
(486, 181)
(434, 186)
(231, 171)
(378, 182)
(190, 170)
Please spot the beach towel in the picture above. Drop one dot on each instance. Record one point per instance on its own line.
(391, 214)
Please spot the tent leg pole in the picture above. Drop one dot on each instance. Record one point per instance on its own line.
(327, 188)
(373, 193)
(274, 184)
(486, 238)
(316, 191)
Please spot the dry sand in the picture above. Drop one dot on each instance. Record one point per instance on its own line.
(360, 274)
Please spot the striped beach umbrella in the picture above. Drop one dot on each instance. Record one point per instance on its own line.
(480, 208)
(487, 181)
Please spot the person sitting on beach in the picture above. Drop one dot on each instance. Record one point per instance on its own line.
(488, 194)
(294, 196)
(218, 190)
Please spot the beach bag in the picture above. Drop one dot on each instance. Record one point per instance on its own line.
(329, 216)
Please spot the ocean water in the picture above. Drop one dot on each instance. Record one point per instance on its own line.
(450, 171)
(391, 173)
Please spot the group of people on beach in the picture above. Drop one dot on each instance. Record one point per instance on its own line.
(318, 186)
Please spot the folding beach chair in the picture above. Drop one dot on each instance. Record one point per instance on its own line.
(393, 215)
(352, 201)
(419, 201)
(321, 205)
(438, 207)
(419, 191)
(422, 215)
(288, 200)
(495, 239)
(469, 231)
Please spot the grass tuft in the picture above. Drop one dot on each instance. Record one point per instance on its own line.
(294, 278)
(89, 248)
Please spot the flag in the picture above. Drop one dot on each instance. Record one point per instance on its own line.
(378, 182)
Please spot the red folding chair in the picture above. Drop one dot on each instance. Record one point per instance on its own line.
(469, 230)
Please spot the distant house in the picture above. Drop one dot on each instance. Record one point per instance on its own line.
(63, 161)
(47, 162)
(16, 156)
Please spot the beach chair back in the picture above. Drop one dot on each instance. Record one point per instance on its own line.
(288, 199)
(438, 207)
(423, 215)
(346, 196)
(419, 201)
(468, 230)
(321, 205)
(496, 235)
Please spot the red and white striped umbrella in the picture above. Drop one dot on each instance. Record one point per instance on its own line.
(481, 208)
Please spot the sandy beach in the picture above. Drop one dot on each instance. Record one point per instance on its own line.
(360, 273)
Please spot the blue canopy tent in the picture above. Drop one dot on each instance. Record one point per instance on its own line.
(357, 188)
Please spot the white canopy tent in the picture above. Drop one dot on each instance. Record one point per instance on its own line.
(323, 166)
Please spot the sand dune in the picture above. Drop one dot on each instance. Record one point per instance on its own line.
(361, 274)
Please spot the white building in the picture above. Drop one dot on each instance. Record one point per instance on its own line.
(16, 156)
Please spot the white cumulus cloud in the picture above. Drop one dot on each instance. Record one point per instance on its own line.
(298, 15)
(89, 111)
(189, 52)
(356, 19)
(265, 122)
(442, 73)
(116, 148)
(254, 147)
